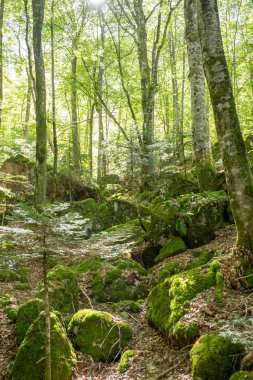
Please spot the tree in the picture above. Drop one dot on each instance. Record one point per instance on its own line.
(2, 3)
(40, 103)
(199, 111)
(236, 164)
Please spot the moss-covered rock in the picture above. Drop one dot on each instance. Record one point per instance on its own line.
(194, 217)
(119, 280)
(214, 357)
(175, 245)
(63, 289)
(169, 301)
(99, 334)
(242, 375)
(119, 210)
(175, 182)
(30, 360)
(89, 209)
(12, 313)
(26, 314)
(126, 360)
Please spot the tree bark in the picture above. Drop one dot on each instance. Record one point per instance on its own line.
(28, 106)
(75, 133)
(2, 3)
(40, 104)
(199, 110)
(55, 142)
(236, 164)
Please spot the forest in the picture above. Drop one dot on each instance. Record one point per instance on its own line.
(126, 190)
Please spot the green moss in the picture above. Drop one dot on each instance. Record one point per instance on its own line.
(88, 266)
(134, 222)
(119, 281)
(127, 306)
(214, 357)
(26, 314)
(30, 360)
(175, 245)
(11, 313)
(168, 270)
(22, 287)
(98, 334)
(219, 280)
(7, 275)
(126, 360)
(202, 257)
(242, 375)
(169, 301)
(63, 289)
(5, 302)
(185, 334)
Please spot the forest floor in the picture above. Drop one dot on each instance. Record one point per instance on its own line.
(156, 358)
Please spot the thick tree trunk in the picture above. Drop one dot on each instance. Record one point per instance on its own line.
(40, 106)
(236, 164)
(55, 143)
(90, 155)
(75, 133)
(2, 3)
(200, 126)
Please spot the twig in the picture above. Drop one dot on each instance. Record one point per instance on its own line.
(171, 368)
(86, 296)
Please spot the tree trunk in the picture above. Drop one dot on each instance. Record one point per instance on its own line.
(200, 125)
(101, 160)
(236, 164)
(28, 106)
(2, 3)
(40, 106)
(75, 134)
(55, 143)
(90, 155)
(147, 94)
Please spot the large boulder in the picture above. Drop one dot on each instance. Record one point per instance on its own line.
(69, 186)
(214, 357)
(169, 301)
(30, 360)
(99, 334)
(193, 217)
(26, 314)
(118, 280)
(63, 289)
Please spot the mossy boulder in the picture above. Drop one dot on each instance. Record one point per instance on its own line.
(63, 289)
(89, 209)
(169, 301)
(26, 314)
(175, 245)
(30, 360)
(12, 313)
(126, 360)
(119, 210)
(99, 334)
(193, 217)
(175, 182)
(242, 375)
(214, 357)
(118, 280)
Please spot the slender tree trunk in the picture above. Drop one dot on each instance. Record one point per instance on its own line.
(28, 106)
(200, 125)
(40, 94)
(75, 133)
(147, 94)
(91, 121)
(2, 3)
(55, 143)
(176, 107)
(48, 375)
(236, 164)
(101, 160)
